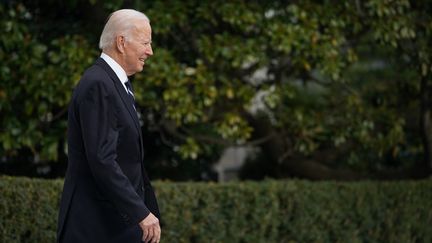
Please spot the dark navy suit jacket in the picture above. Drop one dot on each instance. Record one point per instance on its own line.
(106, 191)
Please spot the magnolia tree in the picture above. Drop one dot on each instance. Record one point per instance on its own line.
(323, 90)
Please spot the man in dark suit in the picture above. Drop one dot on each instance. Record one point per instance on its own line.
(107, 196)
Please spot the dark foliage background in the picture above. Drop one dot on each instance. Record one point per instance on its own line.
(320, 89)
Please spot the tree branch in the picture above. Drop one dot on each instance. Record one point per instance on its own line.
(170, 128)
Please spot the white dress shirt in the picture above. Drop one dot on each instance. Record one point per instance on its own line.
(118, 70)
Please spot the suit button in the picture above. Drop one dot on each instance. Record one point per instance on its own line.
(124, 217)
(142, 188)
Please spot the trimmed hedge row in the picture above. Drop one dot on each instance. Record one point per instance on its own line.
(270, 211)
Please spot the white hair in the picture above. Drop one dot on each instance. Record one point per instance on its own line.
(119, 22)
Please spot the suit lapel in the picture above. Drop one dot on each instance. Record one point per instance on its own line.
(125, 98)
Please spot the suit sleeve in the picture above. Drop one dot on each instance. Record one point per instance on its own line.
(97, 120)
(150, 197)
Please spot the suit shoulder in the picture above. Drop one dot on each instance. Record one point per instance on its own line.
(94, 80)
(95, 74)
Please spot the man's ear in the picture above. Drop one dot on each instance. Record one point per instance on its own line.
(120, 43)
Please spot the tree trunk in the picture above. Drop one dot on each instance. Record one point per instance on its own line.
(426, 120)
(275, 148)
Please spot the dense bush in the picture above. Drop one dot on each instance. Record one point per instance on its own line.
(271, 211)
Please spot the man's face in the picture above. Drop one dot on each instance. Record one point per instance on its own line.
(137, 48)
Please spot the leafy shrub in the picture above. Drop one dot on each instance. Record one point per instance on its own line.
(269, 211)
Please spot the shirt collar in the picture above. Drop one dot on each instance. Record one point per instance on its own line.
(118, 70)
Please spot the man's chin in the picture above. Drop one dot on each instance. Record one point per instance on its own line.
(140, 67)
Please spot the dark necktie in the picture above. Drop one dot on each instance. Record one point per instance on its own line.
(130, 93)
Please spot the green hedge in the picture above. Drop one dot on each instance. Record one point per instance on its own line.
(270, 211)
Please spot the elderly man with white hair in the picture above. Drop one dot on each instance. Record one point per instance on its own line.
(107, 195)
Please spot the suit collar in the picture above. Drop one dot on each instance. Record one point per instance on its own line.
(119, 86)
(123, 95)
(118, 70)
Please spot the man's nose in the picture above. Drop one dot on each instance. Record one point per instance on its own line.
(149, 51)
